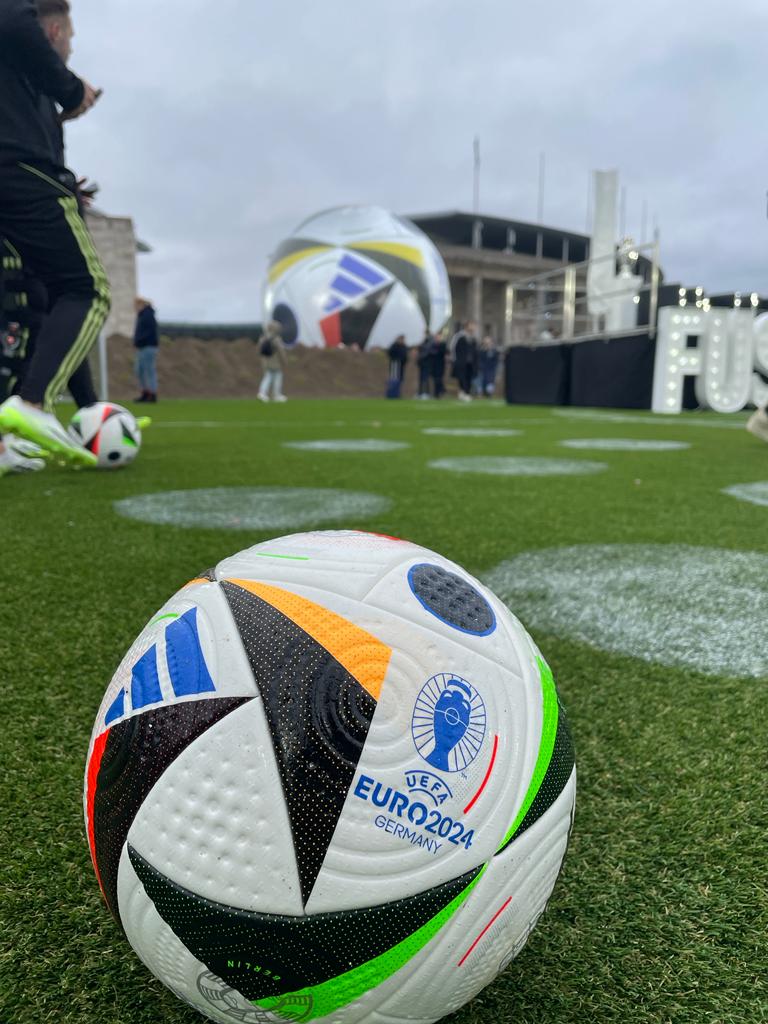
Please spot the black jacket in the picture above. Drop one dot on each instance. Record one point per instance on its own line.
(146, 334)
(32, 78)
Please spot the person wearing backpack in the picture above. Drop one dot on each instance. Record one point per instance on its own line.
(272, 352)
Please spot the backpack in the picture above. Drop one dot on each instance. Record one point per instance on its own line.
(267, 348)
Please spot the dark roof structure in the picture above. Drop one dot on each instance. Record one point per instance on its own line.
(455, 227)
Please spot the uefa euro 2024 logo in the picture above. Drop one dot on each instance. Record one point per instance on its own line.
(449, 723)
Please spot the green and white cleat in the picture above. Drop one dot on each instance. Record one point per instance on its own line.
(42, 428)
(20, 456)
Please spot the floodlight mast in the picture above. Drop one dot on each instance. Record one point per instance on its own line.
(476, 193)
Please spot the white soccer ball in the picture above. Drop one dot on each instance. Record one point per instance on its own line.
(109, 431)
(357, 275)
(330, 781)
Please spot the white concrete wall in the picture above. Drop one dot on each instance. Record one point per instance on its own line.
(115, 241)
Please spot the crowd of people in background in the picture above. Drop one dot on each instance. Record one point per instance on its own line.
(473, 362)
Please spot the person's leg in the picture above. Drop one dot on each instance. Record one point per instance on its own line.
(264, 387)
(138, 370)
(81, 386)
(277, 386)
(151, 372)
(39, 216)
(144, 373)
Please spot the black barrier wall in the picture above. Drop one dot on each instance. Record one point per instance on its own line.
(616, 373)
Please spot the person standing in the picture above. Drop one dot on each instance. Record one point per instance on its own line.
(438, 365)
(272, 351)
(398, 358)
(425, 358)
(757, 423)
(40, 218)
(146, 340)
(489, 365)
(464, 354)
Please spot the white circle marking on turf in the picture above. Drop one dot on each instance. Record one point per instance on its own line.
(509, 466)
(351, 445)
(251, 508)
(755, 494)
(623, 444)
(470, 432)
(684, 607)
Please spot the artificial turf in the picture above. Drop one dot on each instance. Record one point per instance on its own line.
(660, 913)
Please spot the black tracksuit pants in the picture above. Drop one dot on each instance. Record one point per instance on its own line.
(39, 217)
(25, 307)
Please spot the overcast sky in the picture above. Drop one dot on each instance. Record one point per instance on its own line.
(225, 124)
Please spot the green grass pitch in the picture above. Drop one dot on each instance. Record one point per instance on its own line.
(660, 913)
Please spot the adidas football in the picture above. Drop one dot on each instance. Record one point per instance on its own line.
(330, 781)
(109, 431)
(357, 275)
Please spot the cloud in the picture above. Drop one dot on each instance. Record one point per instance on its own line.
(224, 124)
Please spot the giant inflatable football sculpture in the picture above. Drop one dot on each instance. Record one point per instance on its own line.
(357, 275)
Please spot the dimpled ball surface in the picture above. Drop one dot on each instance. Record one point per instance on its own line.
(330, 781)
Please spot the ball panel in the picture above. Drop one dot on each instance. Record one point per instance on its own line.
(317, 753)
(420, 825)
(166, 956)
(344, 563)
(216, 823)
(205, 652)
(465, 956)
(559, 768)
(135, 754)
(294, 954)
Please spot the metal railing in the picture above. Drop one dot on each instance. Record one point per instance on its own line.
(557, 306)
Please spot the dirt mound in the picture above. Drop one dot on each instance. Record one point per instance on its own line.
(191, 368)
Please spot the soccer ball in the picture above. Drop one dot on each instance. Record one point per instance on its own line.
(357, 275)
(330, 781)
(109, 431)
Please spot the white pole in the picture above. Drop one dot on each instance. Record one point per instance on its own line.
(542, 185)
(476, 196)
(103, 370)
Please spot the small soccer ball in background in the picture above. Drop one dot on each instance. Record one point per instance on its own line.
(109, 431)
(330, 781)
